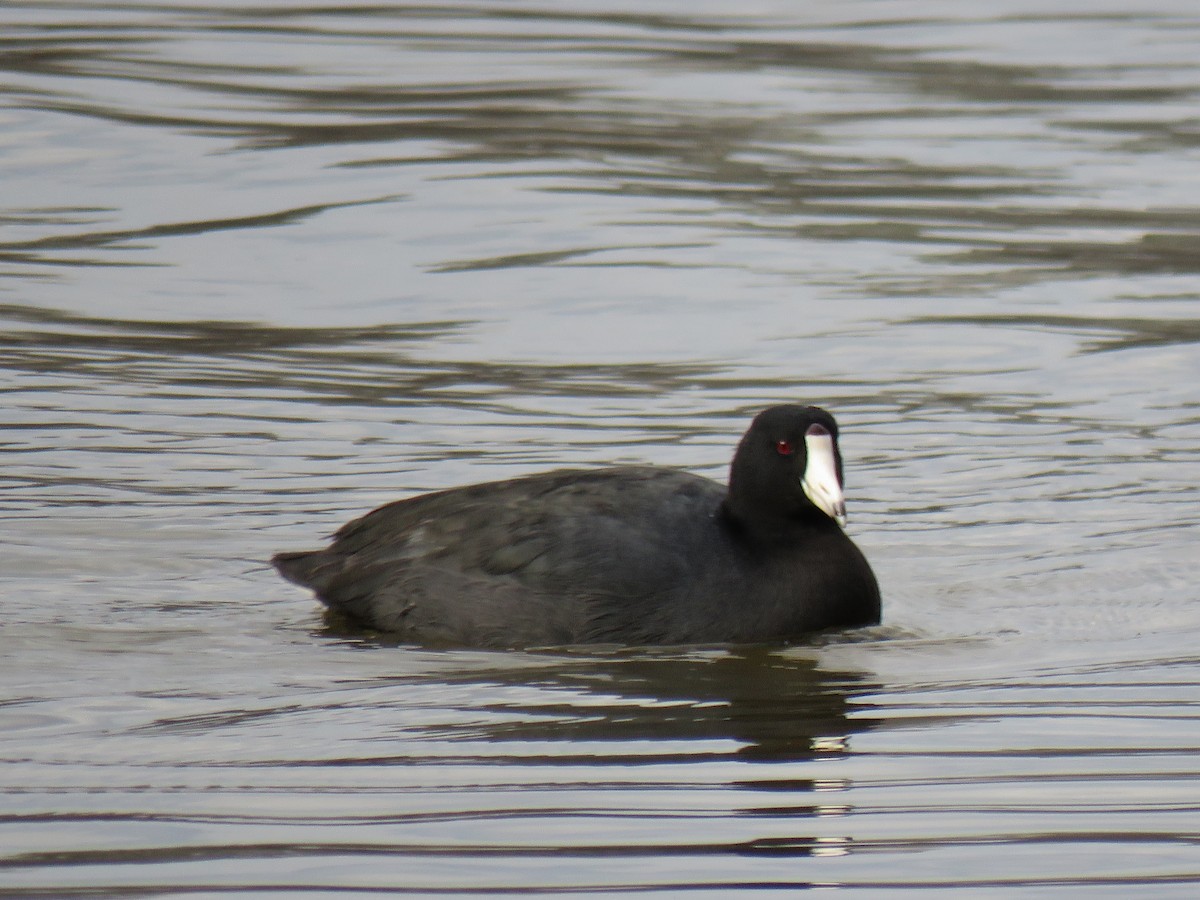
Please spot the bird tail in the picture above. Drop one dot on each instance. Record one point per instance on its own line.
(302, 568)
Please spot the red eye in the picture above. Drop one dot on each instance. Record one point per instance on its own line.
(783, 448)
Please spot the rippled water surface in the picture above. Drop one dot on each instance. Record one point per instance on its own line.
(265, 266)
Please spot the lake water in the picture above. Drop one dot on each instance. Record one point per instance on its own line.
(264, 267)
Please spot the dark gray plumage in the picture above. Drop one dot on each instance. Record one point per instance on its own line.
(630, 555)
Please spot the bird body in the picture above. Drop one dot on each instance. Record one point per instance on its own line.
(628, 554)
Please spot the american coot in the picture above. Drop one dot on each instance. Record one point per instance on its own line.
(629, 555)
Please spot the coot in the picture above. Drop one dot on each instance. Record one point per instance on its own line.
(628, 555)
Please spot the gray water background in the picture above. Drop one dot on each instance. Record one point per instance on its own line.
(264, 267)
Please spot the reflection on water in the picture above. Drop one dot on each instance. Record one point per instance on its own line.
(265, 267)
(715, 769)
(1105, 334)
(44, 250)
(772, 707)
(371, 365)
(806, 160)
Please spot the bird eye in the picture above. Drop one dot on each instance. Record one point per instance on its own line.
(783, 448)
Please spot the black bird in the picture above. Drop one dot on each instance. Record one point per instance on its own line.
(626, 555)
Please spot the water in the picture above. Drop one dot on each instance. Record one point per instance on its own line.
(264, 267)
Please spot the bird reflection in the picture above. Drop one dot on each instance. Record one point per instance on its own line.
(762, 704)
